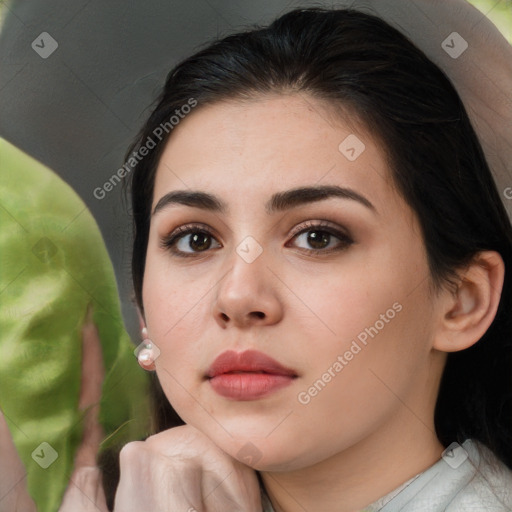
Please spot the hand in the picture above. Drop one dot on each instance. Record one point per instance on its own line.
(181, 470)
(85, 492)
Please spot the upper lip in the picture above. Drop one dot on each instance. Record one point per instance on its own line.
(248, 361)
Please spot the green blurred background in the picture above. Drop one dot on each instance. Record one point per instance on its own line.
(77, 111)
(499, 12)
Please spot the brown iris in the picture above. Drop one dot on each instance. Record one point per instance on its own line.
(318, 239)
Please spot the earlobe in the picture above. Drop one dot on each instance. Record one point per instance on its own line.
(471, 310)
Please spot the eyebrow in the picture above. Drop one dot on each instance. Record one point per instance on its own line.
(279, 202)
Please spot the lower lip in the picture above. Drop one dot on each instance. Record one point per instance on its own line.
(248, 386)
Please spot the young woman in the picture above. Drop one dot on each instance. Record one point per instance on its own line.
(323, 264)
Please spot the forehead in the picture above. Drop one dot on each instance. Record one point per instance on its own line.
(268, 144)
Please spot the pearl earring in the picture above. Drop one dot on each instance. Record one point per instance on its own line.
(146, 355)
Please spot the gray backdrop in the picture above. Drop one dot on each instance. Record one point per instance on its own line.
(78, 109)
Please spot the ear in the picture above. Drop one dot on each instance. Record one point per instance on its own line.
(468, 313)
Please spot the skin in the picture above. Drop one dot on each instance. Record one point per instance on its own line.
(371, 427)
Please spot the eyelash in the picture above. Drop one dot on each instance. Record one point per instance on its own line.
(168, 242)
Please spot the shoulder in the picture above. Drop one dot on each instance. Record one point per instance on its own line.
(490, 485)
(468, 477)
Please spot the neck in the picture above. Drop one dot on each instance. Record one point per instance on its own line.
(356, 477)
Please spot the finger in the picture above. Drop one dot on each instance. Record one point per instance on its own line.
(90, 393)
(150, 481)
(192, 479)
(93, 371)
(85, 492)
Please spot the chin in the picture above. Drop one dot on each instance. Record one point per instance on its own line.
(280, 463)
(258, 439)
(260, 451)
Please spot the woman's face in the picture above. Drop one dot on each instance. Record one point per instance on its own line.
(344, 308)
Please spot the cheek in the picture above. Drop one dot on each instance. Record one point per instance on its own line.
(169, 295)
(174, 315)
(345, 306)
(376, 317)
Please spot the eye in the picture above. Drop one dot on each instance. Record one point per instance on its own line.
(190, 240)
(320, 235)
(187, 237)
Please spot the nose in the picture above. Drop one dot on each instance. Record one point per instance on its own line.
(247, 294)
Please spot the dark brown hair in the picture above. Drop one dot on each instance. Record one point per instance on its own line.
(358, 62)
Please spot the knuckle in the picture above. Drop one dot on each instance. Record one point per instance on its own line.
(130, 451)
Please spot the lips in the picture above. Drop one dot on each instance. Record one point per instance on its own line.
(248, 361)
(247, 375)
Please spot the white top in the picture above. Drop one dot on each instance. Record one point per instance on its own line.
(466, 478)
